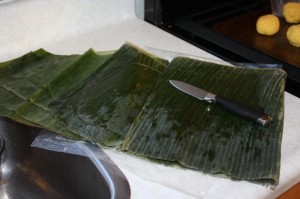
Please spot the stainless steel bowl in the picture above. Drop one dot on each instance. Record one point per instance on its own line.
(28, 172)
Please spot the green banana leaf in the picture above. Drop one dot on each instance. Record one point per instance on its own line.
(9, 100)
(124, 99)
(72, 77)
(176, 127)
(65, 85)
(116, 94)
(25, 76)
(8, 103)
(12, 115)
(35, 69)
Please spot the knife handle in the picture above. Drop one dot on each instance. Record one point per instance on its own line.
(243, 110)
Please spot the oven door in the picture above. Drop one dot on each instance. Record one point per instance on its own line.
(226, 29)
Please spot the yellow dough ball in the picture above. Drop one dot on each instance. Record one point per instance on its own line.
(267, 24)
(291, 12)
(293, 35)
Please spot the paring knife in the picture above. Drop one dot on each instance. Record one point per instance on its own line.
(240, 109)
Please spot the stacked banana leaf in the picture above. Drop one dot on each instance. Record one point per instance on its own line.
(123, 98)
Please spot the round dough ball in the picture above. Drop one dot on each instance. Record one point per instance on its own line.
(291, 12)
(293, 35)
(267, 24)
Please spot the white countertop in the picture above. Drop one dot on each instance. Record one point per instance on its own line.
(68, 27)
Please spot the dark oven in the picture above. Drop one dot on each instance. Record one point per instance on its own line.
(227, 30)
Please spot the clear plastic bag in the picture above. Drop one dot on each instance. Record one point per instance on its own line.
(169, 55)
(113, 176)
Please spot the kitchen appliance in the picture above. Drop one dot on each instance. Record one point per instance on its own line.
(227, 30)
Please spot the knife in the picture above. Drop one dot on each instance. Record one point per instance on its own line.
(238, 108)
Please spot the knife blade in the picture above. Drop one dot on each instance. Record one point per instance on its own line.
(238, 108)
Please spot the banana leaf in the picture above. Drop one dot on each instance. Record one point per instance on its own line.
(26, 76)
(131, 86)
(116, 94)
(9, 100)
(32, 115)
(64, 85)
(72, 77)
(12, 115)
(8, 103)
(176, 127)
(109, 97)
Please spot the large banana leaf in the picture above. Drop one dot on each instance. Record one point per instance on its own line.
(9, 99)
(39, 69)
(25, 76)
(176, 127)
(9, 72)
(69, 79)
(32, 103)
(108, 97)
(8, 103)
(116, 94)
(12, 115)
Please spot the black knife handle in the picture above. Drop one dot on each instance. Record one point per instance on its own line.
(243, 110)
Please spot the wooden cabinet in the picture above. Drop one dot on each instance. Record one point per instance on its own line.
(292, 193)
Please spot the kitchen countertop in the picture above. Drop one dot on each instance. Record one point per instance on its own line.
(69, 27)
